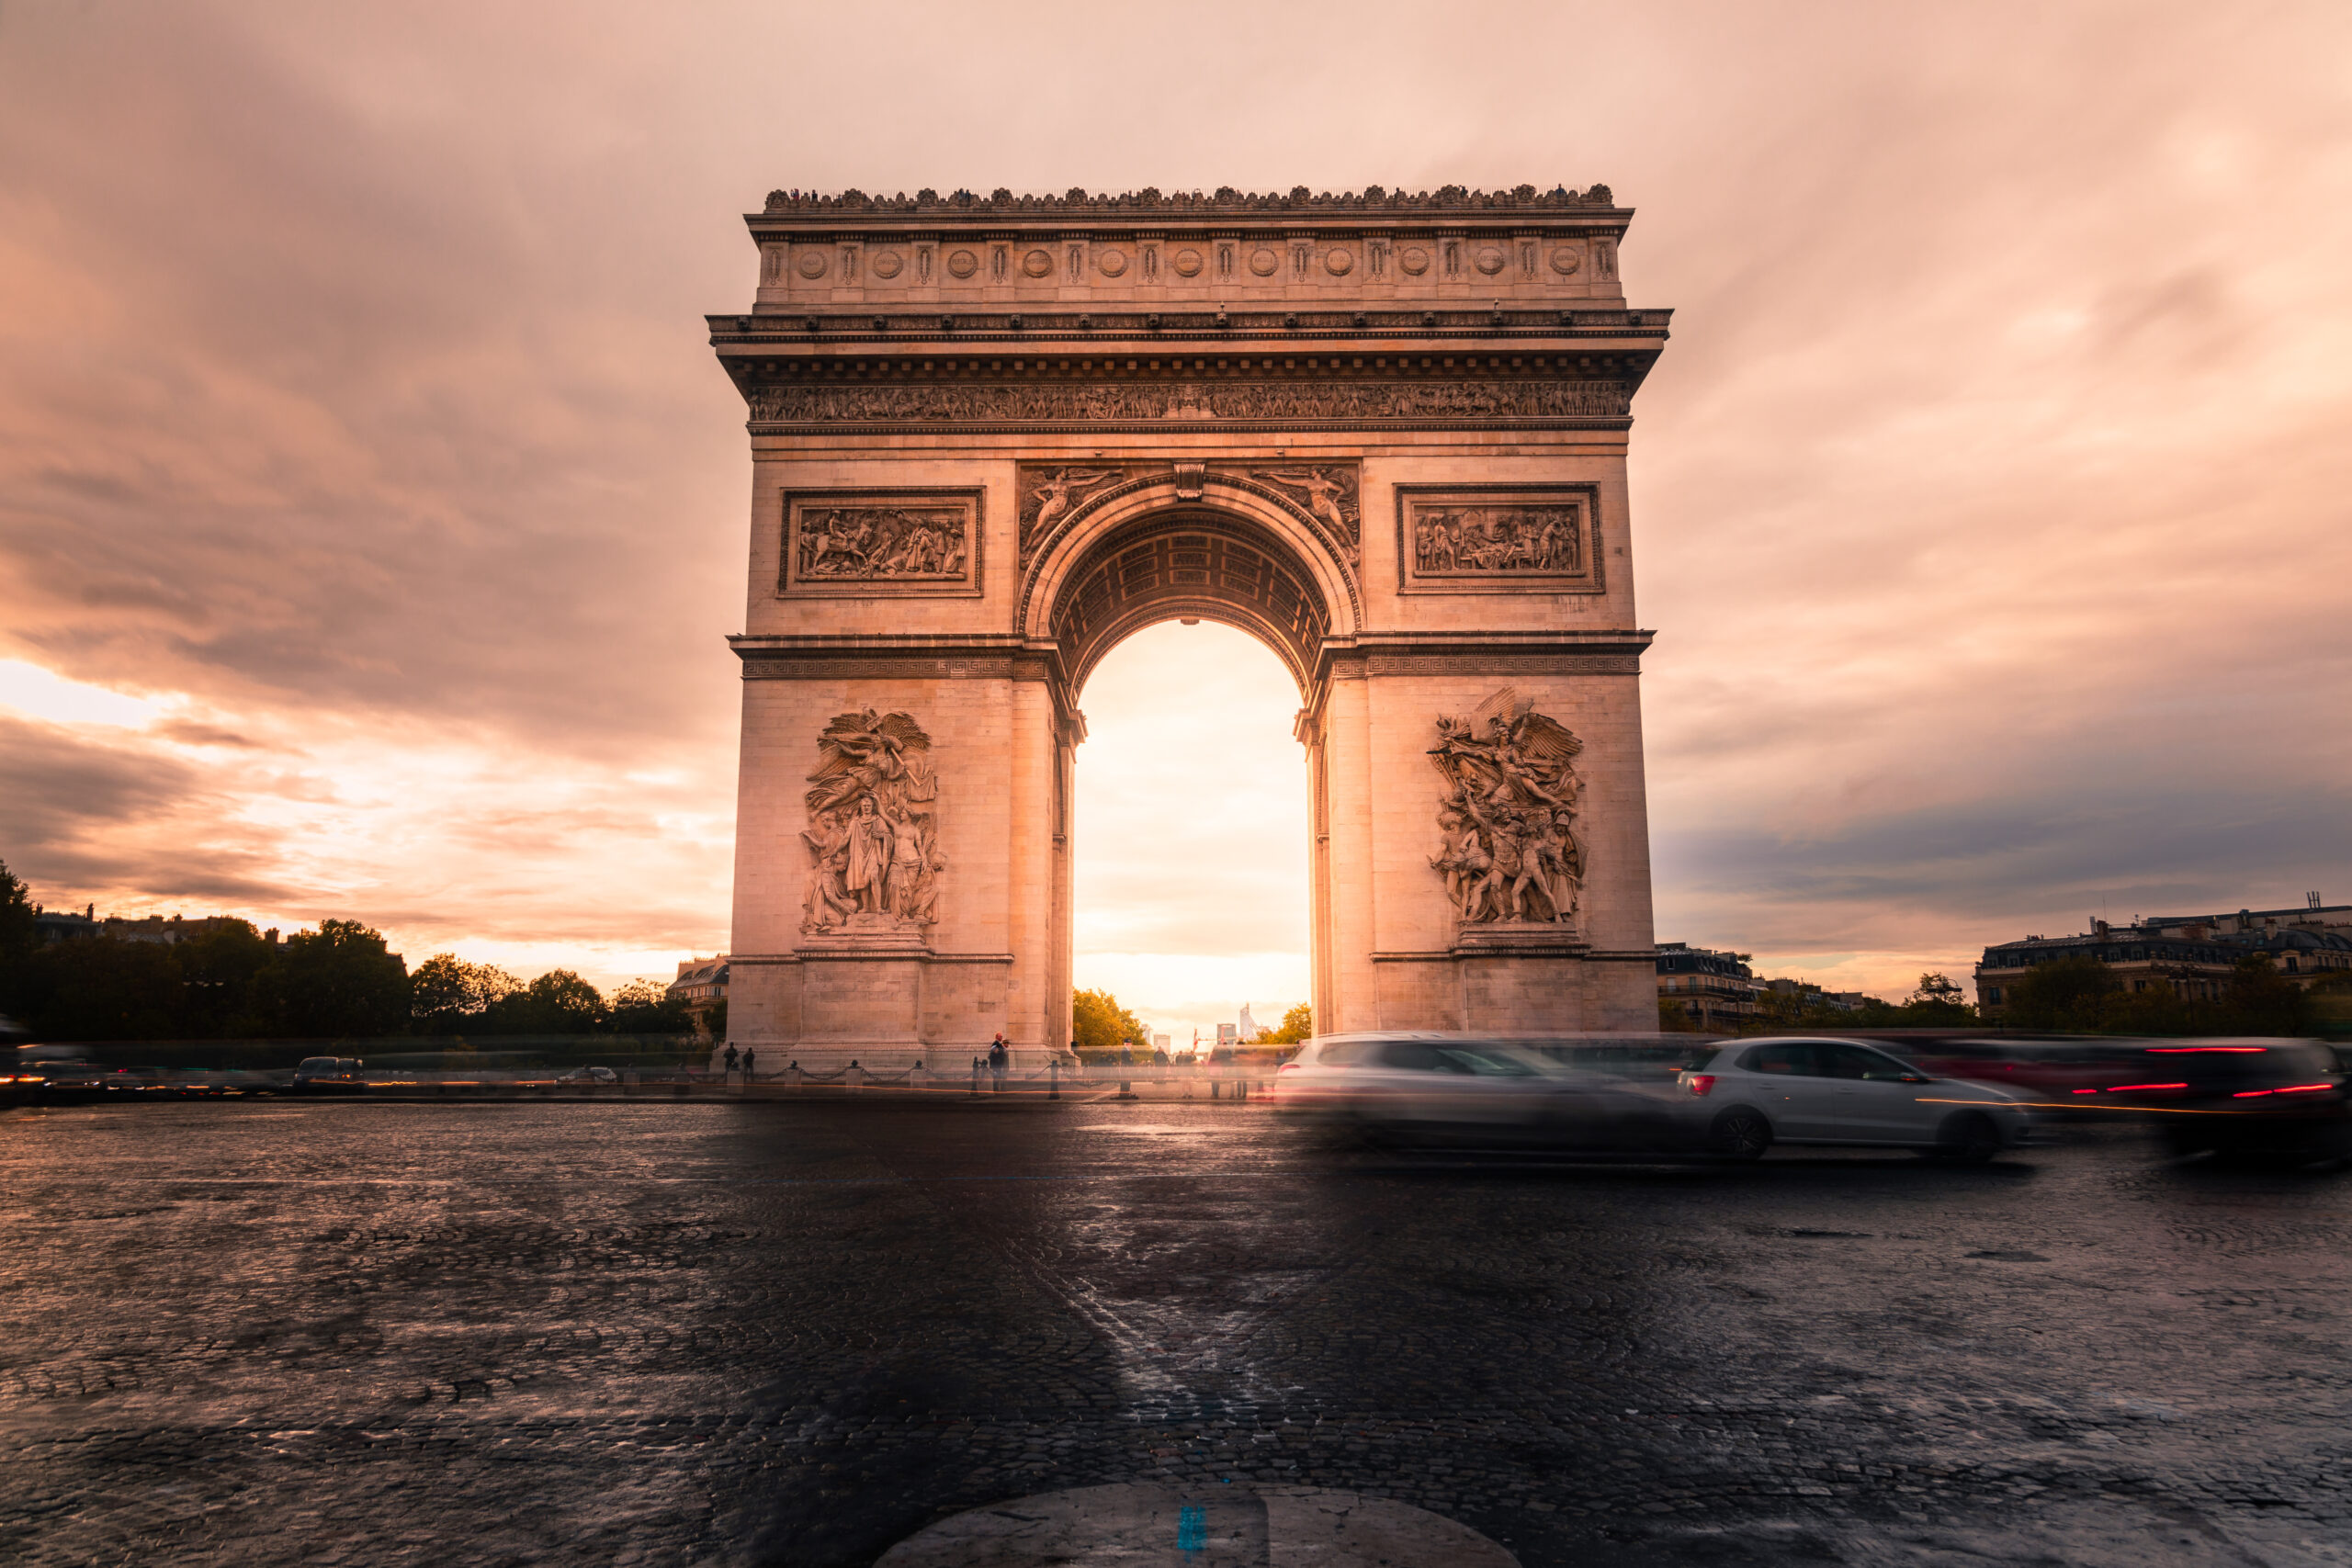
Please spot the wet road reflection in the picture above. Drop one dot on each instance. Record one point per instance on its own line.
(798, 1333)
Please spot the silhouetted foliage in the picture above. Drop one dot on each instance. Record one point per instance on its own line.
(558, 1002)
(220, 969)
(2080, 995)
(18, 940)
(338, 981)
(449, 994)
(646, 1006)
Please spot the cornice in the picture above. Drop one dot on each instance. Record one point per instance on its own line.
(1225, 205)
(779, 330)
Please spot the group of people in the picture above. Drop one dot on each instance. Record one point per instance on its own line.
(869, 861)
(1508, 861)
(1492, 538)
(878, 541)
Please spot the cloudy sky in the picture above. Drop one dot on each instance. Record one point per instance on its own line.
(372, 508)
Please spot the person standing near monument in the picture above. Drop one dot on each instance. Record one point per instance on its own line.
(750, 1055)
(731, 1058)
(998, 1056)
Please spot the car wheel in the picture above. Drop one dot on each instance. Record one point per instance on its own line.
(1739, 1134)
(1968, 1138)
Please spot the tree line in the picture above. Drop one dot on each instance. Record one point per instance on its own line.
(230, 982)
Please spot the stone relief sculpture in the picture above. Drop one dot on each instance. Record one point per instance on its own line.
(1319, 401)
(881, 544)
(1047, 494)
(1050, 501)
(1450, 540)
(875, 863)
(1510, 853)
(1331, 495)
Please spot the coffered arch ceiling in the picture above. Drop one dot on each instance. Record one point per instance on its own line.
(1184, 563)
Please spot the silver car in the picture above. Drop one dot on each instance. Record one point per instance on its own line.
(1752, 1094)
(1459, 1087)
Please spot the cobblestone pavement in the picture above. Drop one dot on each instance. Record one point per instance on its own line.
(791, 1334)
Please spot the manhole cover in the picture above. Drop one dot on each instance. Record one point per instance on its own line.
(1138, 1524)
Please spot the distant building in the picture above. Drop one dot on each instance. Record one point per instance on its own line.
(702, 986)
(1160, 1043)
(2193, 954)
(1225, 1034)
(1811, 996)
(1716, 989)
(55, 925)
(1248, 1026)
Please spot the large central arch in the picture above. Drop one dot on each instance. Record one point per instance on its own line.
(1385, 435)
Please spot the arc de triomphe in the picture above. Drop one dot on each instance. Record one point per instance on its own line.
(992, 437)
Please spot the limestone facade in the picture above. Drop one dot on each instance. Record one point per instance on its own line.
(993, 436)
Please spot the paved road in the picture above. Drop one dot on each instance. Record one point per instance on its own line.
(504, 1334)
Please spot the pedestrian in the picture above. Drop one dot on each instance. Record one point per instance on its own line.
(1126, 1053)
(998, 1058)
(731, 1058)
(750, 1055)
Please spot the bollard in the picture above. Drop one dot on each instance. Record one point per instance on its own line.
(1053, 1079)
(1217, 1089)
(976, 1077)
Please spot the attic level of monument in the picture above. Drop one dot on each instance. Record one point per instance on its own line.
(1226, 253)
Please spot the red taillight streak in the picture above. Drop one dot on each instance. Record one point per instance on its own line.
(2128, 1088)
(2227, 1050)
(1698, 1083)
(1287, 1066)
(2294, 1088)
(2086, 1092)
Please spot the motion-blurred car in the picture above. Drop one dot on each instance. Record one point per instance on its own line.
(327, 1075)
(2276, 1097)
(1752, 1094)
(1446, 1088)
(2050, 1070)
(590, 1076)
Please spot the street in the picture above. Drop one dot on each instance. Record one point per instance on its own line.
(777, 1333)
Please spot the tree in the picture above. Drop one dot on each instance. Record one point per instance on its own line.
(1297, 1027)
(339, 981)
(99, 989)
(1097, 1024)
(1938, 1000)
(2258, 999)
(558, 1002)
(218, 968)
(2069, 994)
(646, 1006)
(19, 939)
(449, 994)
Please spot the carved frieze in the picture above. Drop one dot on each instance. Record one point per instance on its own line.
(1050, 495)
(1510, 855)
(881, 542)
(875, 863)
(1308, 402)
(1498, 539)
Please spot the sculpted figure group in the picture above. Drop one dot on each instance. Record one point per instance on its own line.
(1498, 538)
(875, 862)
(868, 542)
(1508, 815)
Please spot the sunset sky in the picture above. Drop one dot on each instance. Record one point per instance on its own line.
(372, 507)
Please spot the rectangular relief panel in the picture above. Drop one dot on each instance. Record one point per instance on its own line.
(867, 543)
(1498, 539)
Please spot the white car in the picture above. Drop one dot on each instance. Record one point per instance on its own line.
(1401, 1084)
(1751, 1094)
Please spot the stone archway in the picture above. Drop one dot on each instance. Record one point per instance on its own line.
(991, 440)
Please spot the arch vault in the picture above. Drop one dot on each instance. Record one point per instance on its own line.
(992, 438)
